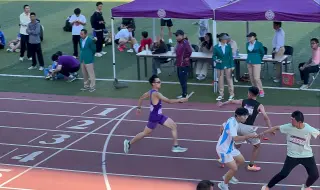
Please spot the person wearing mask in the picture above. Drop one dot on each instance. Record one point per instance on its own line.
(222, 56)
(255, 53)
(312, 65)
(34, 32)
(183, 53)
(24, 21)
(98, 26)
(78, 21)
(202, 65)
(278, 47)
(87, 51)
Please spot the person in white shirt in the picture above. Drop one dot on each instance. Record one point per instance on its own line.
(299, 150)
(229, 155)
(278, 47)
(203, 28)
(166, 22)
(24, 21)
(78, 21)
(123, 37)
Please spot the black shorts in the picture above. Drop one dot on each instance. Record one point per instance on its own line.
(1, 46)
(167, 23)
(116, 41)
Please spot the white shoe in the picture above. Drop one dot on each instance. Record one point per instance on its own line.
(178, 149)
(170, 41)
(233, 180)
(30, 59)
(219, 98)
(158, 71)
(223, 186)
(264, 187)
(303, 187)
(231, 98)
(126, 146)
(21, 59)
(98, 54)
(130, 50)
(276, 80)
(9, 50)
(32, 68)
(103, 52)
(41, 68)
(303, 87)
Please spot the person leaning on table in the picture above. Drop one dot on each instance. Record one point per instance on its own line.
(222, 55)
(255, 53)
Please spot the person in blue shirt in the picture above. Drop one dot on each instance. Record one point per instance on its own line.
(2, 40)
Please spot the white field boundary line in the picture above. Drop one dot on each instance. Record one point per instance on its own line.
(136, 155)
(104, 151)
(145, 107)
(14, 188)
(164, 82)
(130, 136)
(52, 155)
(88, 110)
(149, 177)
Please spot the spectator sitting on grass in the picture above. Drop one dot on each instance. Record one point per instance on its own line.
(15, 45)
(2, 40)
(205, 185)
(145, 41)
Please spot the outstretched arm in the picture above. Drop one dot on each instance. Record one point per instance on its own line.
(271, 130)
(265, 116)
(171, 101)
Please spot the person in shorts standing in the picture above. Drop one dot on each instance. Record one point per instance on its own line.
(254, 107)
(229, 155)
(166, 22)
(299, 150)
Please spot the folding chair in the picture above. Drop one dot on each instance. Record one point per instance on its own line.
(265, 65)
(314, 77)
(288, 51)
(169, 60)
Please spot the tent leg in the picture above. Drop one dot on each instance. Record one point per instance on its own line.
(116, 83)
(247, 27)
(214, 35)
(154, 28)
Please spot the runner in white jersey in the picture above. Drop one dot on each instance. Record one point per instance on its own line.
(226, 150)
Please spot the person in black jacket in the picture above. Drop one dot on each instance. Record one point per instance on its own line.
(158, 47)
(98, 26)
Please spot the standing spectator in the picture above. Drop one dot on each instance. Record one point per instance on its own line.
(278, 47)
(98, 26)
(183, 53)
(203, 28)
(255, 53)
(205, 185)
(2, 40)
(202, 66)
(78, 21)
(34, 31)
(312, 65)
(87, 51)
(222, 55)
(24, 21)
(166, 22)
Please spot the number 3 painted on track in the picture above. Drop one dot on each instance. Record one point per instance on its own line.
(59, 139)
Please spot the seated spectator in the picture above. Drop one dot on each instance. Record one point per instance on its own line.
(312, 65)
(145, 41)
(123, 37)
(158, 47)
(14, 45)
(2, 40)
(66, 65)
(205, 185)
(48, 72)
(202, 65)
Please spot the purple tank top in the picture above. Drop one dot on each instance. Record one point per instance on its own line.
(155, 110)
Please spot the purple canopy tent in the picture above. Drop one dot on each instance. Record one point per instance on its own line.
(275, 10)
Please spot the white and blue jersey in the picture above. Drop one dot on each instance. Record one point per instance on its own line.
(226, 143)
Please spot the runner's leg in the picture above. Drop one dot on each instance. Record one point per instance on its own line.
(168, 122)
(312, 170)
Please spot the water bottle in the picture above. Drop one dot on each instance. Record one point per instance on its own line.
(237, 53)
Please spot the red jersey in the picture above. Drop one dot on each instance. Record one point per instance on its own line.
(144, 42)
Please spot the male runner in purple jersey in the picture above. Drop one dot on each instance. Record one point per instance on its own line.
(156, 117)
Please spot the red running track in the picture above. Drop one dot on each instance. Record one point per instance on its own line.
(56, 142)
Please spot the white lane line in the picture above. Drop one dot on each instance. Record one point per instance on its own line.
(146, 107)
(8, 153)
(52, 155)
(37, 137)
(63, 123)
(88, 110)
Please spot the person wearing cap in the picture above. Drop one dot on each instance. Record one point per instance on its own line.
(222, 56)
(205, 185)
(278, 47)
(255, 53)
(183, 53)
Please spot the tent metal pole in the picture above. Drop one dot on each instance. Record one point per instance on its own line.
(214, 35)
(113, 51)
(247, 27)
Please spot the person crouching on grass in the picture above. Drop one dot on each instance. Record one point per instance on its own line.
(123, 37)
(87, 52)
(66, 65)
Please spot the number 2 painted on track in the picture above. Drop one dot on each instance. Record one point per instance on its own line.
(57, 139)
(82, 126)
(27, 157)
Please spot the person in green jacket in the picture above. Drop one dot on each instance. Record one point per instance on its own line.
(87, 52)
(255, 53)
(222, 56)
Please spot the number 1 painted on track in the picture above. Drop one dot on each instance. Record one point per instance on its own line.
(106, 111)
